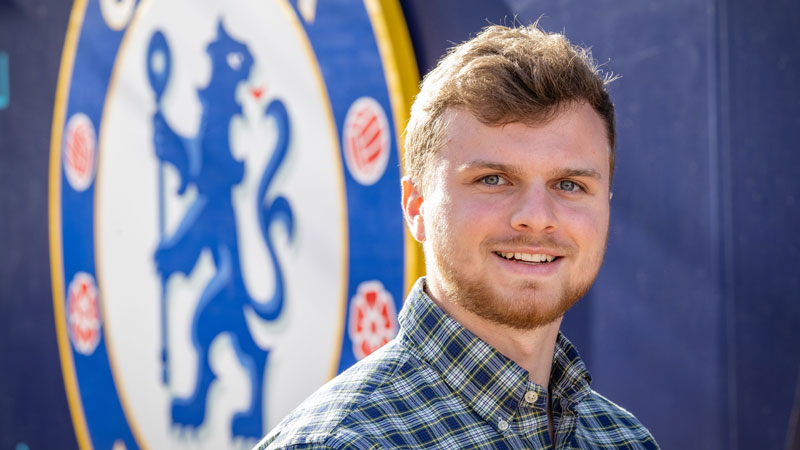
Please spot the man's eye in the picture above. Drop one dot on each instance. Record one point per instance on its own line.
(492, 180)
(567, 185)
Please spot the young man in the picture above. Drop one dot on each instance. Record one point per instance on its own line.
(509, 156)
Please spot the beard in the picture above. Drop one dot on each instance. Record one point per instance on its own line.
(531, 307)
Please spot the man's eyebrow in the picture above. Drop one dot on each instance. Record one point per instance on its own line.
(576, 173)
(491, 165)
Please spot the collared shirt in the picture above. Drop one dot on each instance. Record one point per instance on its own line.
(437, 385)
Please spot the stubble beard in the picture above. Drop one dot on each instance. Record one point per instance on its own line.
(529, 309)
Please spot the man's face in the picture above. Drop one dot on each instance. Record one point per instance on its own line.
(514, 218)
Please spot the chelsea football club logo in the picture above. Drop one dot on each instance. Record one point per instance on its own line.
(226, 233)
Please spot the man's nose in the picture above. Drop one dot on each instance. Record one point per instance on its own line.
(534, 211)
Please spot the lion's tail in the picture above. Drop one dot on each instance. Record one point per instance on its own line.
(276, 210)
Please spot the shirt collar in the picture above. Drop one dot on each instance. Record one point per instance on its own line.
(570, 381)
(489, 382)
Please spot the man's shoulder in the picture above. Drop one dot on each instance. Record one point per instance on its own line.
(329, 417)
(603, 422)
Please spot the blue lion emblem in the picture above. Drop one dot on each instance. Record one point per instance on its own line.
(205, 161)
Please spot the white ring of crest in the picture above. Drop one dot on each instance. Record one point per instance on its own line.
(127, 231)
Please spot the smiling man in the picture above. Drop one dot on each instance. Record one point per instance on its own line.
(509, 159)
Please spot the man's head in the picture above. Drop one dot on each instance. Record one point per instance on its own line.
(500, 76)
(509, 162)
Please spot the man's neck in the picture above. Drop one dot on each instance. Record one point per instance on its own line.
(531, 349)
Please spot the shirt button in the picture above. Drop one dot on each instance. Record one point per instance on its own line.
(531, 396)
(502, 425)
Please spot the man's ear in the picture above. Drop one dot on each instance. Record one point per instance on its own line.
(412, 209)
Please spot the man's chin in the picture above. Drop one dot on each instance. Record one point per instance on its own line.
(528, 318)
(524, 309)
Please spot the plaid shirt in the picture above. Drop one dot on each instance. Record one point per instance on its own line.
(439, 386)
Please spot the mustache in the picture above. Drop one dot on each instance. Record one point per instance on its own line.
(547, 242)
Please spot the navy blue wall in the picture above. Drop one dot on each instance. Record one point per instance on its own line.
(33, 403)
(693, 322)
(761, 162)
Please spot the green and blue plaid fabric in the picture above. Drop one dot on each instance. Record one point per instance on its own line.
(439, 386)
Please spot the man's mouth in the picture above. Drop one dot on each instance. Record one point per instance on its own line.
(530, 258)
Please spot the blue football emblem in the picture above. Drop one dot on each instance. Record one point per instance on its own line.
(226, 194)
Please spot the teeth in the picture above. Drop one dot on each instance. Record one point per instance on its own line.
(528, 257)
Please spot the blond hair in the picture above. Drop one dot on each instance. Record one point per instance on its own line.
(500, 76)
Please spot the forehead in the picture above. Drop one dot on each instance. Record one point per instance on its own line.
(575, 136)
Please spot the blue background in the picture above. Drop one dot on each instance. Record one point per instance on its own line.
(693, 322)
